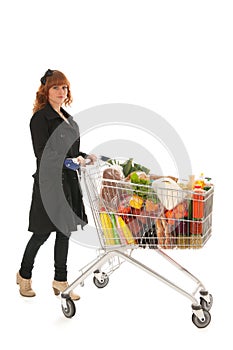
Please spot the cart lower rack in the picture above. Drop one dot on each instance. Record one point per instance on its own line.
(131, 214)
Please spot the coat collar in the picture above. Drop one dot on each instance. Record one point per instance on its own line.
(52, 114)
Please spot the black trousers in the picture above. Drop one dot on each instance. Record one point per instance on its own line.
(60, 255)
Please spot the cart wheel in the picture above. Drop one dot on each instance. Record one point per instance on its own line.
(202, 323)
(104, 281)
(207, 306)
(69, 310)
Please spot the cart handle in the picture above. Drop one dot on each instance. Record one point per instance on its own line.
(73, 164)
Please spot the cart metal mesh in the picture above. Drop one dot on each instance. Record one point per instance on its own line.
(135, 216)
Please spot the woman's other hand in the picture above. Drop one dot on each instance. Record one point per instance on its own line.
(92, 158)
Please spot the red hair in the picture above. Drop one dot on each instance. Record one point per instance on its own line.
(57, 78)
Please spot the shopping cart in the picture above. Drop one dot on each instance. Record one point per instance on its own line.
(131, 215)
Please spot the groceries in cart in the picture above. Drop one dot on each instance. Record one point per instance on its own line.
(140, 208)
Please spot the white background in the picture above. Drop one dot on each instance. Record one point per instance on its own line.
(173, 57)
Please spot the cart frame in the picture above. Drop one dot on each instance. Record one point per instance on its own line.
(201, 300)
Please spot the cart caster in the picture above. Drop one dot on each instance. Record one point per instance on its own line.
(68, 308)
(204, 321)
(100, 279)
(206, 304)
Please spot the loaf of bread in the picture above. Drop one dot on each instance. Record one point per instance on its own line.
(110, 189)
(164, 234)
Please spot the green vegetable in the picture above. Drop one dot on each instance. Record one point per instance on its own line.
(114, 229)
(137, 180)
(140, 190)
(129, 166)
(138, 167)
(190, 209)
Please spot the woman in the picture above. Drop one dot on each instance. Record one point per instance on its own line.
(57, 203)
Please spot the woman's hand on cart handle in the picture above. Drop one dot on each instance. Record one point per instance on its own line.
(90, 159)
(81, 161)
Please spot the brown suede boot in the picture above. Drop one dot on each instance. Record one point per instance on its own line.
(59, 287)
(25, 286)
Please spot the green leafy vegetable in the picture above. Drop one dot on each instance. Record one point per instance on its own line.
(129, 166)
(140, 190)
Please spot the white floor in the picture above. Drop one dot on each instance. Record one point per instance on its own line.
(134, 310)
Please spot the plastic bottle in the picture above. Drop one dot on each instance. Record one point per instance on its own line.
(196, 226)
(198, 202)
(200, 181)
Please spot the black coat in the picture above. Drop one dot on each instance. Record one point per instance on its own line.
(57, 203)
